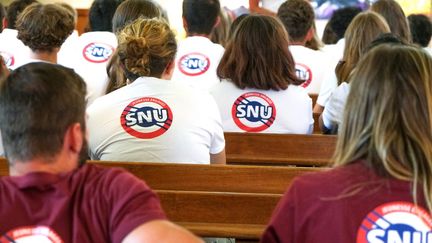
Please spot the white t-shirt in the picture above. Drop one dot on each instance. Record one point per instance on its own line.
(154, 120)
(196, 62)
(67, 50)
(12, 49)
(272, 5)
(333, 111)
(311, 66)
(90, 57)
(267, 111)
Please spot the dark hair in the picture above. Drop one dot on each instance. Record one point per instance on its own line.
(220, 33)
(14, 9)
(341, 18)
(421, 29)
(131, 10)
(298, 18)
(258, 56)
(235, 24)
(329, 36)
(386, 38)
(200, 15)
(101, 13)
(395, 17)
(2, 15)
(44, 27)
(39, 101)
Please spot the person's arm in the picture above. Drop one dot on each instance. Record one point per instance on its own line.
(255, 8)
(219, 158)
(160, 231)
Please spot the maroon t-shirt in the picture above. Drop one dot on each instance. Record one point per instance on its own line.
(90, 204)
(349, 204)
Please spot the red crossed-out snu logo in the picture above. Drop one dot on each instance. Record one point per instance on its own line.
(97, 52)
(25, 234)
(8, 58)
(303, 72)
(253, 112)
(396, 222)
(193, 64)
(146, 118)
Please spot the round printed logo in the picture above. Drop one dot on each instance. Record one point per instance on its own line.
(8, 59)
(253, 112)
(97, 52)
(30, 234)
(146, 118)
(193, 64)
(396, 222)
(303, 72)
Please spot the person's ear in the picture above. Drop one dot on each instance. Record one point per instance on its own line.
(74, 138)
(310, 34)
(217, 22)
(185, 25)
(168, 72)
(4, 23)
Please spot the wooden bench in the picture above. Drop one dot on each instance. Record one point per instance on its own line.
(279, 149)
(214, 200)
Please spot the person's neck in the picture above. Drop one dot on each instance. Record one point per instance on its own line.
(47, 56)
(196, 34)
(55, 165)
(298, 43)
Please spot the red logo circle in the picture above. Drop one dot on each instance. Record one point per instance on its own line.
(97, 52)
(8, 58)
(146, 118)
(253, 112)
(31, 234)
(303, 72)
(193, 64)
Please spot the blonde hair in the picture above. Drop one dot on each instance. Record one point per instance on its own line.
(364, 28)
(387, 120)
(146, 47)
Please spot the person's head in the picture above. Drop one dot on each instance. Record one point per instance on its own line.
(40, 102)
(220, 32)
(421, 29)
(258, 56)
(340, 20)
(387, 120)
(200, 16)
(130, 10)
(13, 10)
(101, 13)
(147, 47)
(364, 28)
(329, 37)
(44, 28)
(70, 9)
(395, 17)
(298, 18)
(235, 25)
(2, 15)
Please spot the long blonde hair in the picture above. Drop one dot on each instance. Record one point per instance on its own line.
(364, 28)
(388, 116)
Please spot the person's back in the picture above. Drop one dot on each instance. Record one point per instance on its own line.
(51, 195)
(197, 57)
(153, 119)
(380, 188)
(260, 91)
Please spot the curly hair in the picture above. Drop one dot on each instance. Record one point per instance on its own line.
(146, 47)
(298, 18)
(44, 27)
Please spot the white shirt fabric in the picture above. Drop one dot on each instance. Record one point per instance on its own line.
(428, 50)
(90, 57)
(196, 62)
(154, 120)
(333, 111)
(266, 111)
(12, 49)
(67, 50)
(272, 5)
(311, 65)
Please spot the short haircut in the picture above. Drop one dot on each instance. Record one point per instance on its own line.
(298, 18)
(341, 18)
(130, 10)
(146, 47)
(14, 9)
(200, 15)
(39, 102)
(258, 56)
(101, 13)
(44, 27)
(421, 29)
(2, 15)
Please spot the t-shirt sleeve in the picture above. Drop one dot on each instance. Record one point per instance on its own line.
(218, 139)
(282, 224)
(333, 111)
(328, 85)
(133, 204)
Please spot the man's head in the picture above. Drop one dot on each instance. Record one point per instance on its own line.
(421, 29)
(13, 10)
(298, 18)
(101, 13)
(44, 27)
(341, 19)
(40, 102)
(200, 16)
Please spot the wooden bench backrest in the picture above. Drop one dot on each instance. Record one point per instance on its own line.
(279, 149)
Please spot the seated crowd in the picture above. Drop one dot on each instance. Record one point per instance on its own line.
(127, 90)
